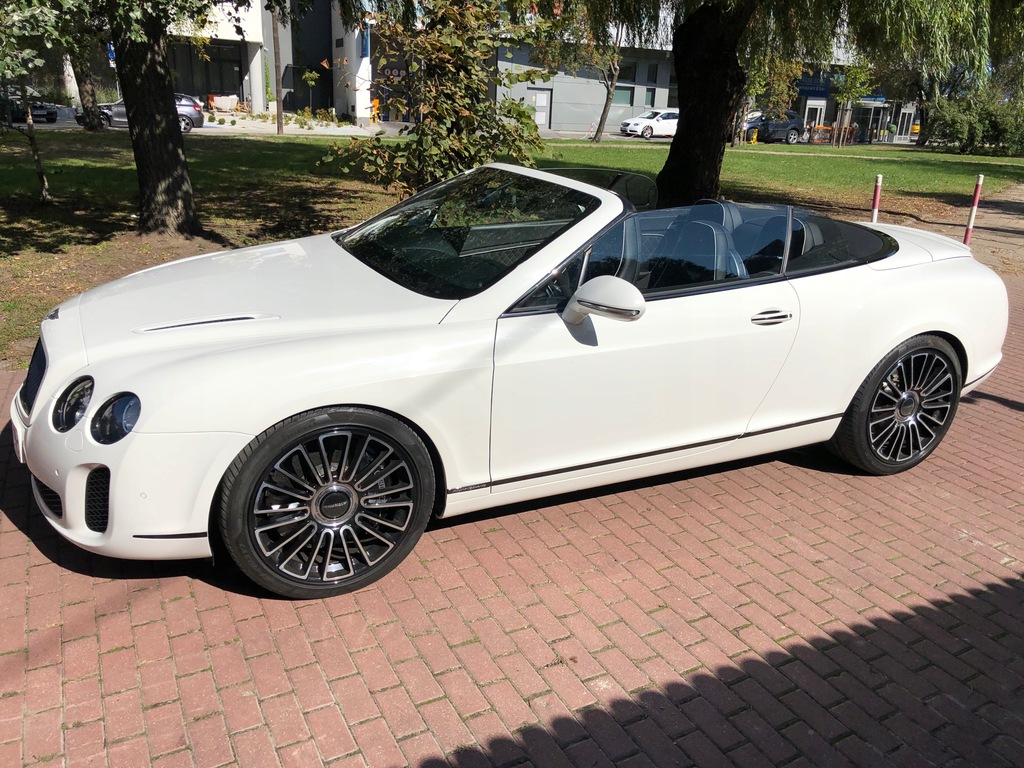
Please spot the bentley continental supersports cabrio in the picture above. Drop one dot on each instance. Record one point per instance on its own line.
(502, 336)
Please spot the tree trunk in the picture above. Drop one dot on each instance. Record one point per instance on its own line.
(609, 87)
(30, 129)
(166, 203)
(922, 126)
(86, 90)
(275, 22)
(711, 84)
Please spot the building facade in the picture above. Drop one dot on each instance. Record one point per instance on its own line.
(573, 102)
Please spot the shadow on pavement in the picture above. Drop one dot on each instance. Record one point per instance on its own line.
(942, 684)
(1013, 405)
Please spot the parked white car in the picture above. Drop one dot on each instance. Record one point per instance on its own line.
(655, 122)
(502, 336)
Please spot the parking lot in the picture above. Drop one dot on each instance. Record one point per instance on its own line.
(781, 611)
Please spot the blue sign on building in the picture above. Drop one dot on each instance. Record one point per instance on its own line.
(816, 85)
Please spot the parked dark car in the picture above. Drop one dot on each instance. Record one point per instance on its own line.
(190, 113)
(41, 111)
(789, 127)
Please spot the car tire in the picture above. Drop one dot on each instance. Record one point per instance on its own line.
(326, 502)
(107, 121)
(185, 123)
(792, 136)
(751, 133)
(903, 409)
(51, 119)
(647, 132)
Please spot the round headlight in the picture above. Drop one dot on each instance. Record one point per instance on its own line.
(116, 418)
(71, 405)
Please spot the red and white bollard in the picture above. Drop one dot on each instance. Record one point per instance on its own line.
(877, 200)
(974, 209)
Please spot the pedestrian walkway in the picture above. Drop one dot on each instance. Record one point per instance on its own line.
(778, 611)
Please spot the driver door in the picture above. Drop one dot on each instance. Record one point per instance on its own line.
(684, 378)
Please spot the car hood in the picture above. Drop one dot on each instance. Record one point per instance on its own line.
(298, 287)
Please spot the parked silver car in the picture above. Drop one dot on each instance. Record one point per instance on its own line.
(190, 113)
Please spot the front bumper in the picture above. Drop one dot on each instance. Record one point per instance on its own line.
(147, 497)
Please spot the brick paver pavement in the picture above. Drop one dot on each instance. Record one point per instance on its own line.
(781, 611)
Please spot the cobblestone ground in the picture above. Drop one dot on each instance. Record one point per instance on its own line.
(776, 612)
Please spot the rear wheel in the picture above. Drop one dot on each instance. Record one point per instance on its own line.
(326, 502)
(185, 123)
(792, 136)
(903, 409)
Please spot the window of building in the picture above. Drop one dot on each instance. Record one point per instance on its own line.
(673, 97)
(649, 97)
(623, 95)
(652, 72)
(627, 71)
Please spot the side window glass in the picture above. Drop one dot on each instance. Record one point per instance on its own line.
(554, 292)
(687, 248)
(761, 244)
(606, 255)
(817, 243)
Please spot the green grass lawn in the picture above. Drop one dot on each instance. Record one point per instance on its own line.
(252, 189)
(814, 174)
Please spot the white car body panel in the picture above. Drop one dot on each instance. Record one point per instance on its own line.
(653, 385)
(221, 347)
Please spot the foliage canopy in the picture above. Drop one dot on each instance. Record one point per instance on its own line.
(442, 77)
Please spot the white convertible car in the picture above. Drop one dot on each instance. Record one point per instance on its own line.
(502, 336)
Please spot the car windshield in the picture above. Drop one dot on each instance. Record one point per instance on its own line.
(461, 236)
(648, 115)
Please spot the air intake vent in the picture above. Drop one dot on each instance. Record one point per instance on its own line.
(36, 371)
(51, 499)
(97, 500)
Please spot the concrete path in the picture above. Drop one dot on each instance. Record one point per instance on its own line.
(780, 611)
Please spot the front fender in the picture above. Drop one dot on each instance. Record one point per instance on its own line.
(438, 378)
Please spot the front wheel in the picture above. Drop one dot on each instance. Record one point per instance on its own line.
(647, 132)
(903, 409)
(326, 502)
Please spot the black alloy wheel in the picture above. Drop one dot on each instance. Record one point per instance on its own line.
(903, 409)
(327, 502)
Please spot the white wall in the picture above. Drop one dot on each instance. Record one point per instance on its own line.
(353, 73)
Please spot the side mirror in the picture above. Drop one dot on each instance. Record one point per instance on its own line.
(605, 296)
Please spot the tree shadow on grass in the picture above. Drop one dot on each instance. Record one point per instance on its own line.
(26, 224)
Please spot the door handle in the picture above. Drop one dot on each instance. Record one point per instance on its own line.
(771, 317)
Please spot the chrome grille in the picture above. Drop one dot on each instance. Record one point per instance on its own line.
(51, 499)
(97, 500)
(36, 371)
